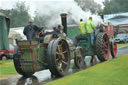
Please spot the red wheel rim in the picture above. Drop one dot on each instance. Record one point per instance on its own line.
(106, 47)
(115, 48)
(94, 61)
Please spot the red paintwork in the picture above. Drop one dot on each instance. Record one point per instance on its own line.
(115, 48)
(7, 52)
(4, 51)
(11, 50)
(106, 47)
(109, 30)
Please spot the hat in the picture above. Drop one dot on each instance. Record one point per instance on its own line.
(81, 19)
(90, 17)
(30, 19)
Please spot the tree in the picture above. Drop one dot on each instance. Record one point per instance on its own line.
(5, 12)
(115, 6)
(89, 5)
(41, 20)
(19, 15)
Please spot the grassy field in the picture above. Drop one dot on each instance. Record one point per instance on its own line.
(121, 45)
(112, 72)
(7, 69)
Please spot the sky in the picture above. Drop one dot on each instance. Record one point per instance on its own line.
(7, 4)
(53, 8)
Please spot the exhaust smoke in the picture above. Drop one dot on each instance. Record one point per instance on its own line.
(50, 10)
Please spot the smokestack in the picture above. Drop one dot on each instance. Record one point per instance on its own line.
(101, 14)
(64, 21)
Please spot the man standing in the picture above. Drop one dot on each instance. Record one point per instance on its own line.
(90, 29)
(82, 32)
(81, 27)
(30, 30)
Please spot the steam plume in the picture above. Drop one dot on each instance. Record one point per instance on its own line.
(53, 8)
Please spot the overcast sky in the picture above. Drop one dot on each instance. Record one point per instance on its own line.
(53, 8)
(6, 4)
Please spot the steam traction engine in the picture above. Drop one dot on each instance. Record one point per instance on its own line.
(33, 56)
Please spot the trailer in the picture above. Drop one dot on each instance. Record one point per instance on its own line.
(4, 31)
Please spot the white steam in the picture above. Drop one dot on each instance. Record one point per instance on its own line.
(54, 8)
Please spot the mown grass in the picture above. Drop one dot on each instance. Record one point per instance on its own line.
(112, 72)
(121, 45)
(7, 68)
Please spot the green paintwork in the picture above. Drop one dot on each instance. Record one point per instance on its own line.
(46, 38)
(72, 52)
(84, 43)
(4, 31)
(33, 55)
(72, 31)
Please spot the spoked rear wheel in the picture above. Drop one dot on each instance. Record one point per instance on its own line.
(102, 47)
(59, 57)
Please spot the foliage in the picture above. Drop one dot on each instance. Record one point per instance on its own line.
(40, 20)
(112, 72)
(115, 6)
(89, 5)
(18, 15)
(5, 12)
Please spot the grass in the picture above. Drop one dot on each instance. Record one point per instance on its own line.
(7, 69)
(112, 72)
(121, 45)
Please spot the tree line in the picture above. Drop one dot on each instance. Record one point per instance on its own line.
(19, 15)
(89, 5)
(115, 6)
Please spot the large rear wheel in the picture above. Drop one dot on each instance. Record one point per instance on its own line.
(59, 57)
(102, 47)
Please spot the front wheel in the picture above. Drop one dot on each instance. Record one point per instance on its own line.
(79, 58)
(113, 49)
